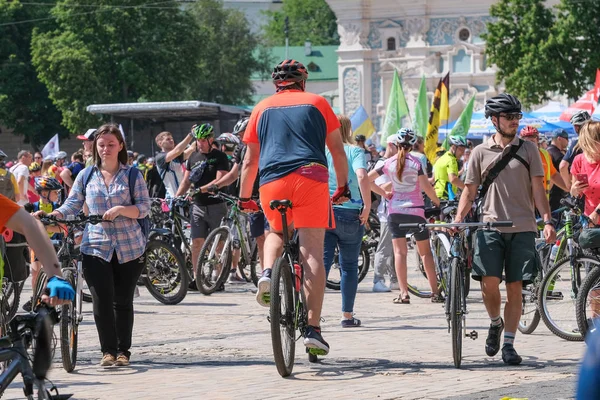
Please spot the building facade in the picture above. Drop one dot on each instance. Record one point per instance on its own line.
(417, 38)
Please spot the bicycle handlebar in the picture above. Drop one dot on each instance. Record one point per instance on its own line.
(73, 220)
(486, 225)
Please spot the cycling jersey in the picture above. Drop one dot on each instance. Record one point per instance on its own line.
(291, 127)
(549, 170)
(443, 167)
(407, 198)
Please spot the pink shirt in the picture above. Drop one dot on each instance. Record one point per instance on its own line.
(407, 198)
(592, 194)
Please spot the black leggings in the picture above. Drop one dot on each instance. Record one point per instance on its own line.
(112, 286)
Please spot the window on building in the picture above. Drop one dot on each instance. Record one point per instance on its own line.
(391, 44)
(464, 34)
(461, 62)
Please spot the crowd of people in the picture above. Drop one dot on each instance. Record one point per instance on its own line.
(294, 147)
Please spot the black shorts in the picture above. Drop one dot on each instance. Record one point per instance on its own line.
(399, 233)
(258, 224)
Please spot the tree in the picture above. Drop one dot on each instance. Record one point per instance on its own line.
(514, 42)
(308, 20)
(226, 59)
(538, 52)
(24, 103)
(113, 54)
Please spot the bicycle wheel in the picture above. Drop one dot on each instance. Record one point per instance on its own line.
(418, 284)
(283, 330)
(530, 315)
(214, 261)
(165, 274)
(69, 327)
(557, 301)
(588, 303)
(38, 291)
(334, 278)
(364, 262)
(245, 267)
(456, 314)
(12, 294)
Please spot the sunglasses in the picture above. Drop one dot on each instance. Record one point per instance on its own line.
(512, 116)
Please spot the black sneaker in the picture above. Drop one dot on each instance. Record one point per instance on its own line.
(27, 306)
(492, 343)
(510, 356)
(193, 286)
(315, 342)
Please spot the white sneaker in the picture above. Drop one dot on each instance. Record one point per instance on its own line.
(394, 286)
(263, 294)
(380, 287)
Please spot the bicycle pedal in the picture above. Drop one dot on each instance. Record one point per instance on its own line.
(473, 335)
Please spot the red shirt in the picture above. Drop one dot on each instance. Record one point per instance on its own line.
(592, 194)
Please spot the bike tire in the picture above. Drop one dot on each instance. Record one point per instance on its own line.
(245, 267)
(13, 297)
(456, 315)
(528, 326)
(590, 283)
(282, 294)
(441, 255)
(363, 268)
(254, 274)
(170, 267)
(69, 329)
(545, 302)
(204, 280)
(38, 291)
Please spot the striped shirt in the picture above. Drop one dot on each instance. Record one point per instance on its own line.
(123, 235)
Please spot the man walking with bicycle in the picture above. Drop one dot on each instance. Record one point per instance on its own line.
(510, 173)
(286, 138)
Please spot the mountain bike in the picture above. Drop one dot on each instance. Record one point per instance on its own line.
(456, 297)
(214, 262)
(70, 259)
(26, 331)
(288, 312)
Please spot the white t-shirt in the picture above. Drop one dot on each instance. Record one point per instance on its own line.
(21, 170)
(172, 172)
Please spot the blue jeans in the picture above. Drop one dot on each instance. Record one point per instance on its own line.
(347, 236)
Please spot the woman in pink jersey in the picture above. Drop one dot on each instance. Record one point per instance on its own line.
(406, 206)
(586, 170)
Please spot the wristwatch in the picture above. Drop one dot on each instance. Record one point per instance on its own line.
(549, 223)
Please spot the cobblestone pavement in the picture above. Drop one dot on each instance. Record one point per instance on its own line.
(219, 347)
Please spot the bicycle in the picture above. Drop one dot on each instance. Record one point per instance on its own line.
(214, 261)
(288, 311)
(25, 331)
(70, 259)
(456, 298)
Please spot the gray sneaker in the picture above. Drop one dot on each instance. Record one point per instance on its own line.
(263, 294)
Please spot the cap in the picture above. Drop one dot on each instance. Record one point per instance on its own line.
(129, 154)
(560, 133)
(88, 135)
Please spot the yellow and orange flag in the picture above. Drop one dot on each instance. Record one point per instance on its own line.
(440, 111)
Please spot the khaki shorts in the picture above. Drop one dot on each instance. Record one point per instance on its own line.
(511, 253)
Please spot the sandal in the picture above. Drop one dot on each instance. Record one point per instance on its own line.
(402, 300)
(437, 298)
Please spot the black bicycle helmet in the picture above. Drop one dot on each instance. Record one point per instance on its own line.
(580, 117)
(241, 125)
(46, 183)
(360, 138)
(289, 71)
(503, 103)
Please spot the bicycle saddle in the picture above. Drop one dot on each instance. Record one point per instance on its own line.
(280, 203)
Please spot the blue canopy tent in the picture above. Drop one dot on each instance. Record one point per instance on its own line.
(551, 113)
(480, 126)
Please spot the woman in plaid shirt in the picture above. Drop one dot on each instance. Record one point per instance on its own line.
(113, 252)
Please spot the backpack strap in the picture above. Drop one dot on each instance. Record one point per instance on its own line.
(499, 166)
(133, 174)
(87, 175)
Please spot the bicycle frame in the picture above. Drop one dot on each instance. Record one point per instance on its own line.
(69, 251)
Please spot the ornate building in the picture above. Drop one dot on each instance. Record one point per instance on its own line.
(417, 38)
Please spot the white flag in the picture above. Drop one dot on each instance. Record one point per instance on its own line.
(122, 132)
(51, 148)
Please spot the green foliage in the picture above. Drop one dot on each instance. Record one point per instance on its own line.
(24, 104)
(137, 51)
(224, 50)
(308, 20)
(538, 51)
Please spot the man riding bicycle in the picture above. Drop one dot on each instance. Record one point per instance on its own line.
(513, 193)
(445, 169)
(286, 138)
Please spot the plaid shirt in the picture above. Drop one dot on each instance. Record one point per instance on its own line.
(123, 235)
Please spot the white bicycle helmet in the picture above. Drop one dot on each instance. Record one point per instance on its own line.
(407, 136)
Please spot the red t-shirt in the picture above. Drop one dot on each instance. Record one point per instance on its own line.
(291, 128)
(592, 194)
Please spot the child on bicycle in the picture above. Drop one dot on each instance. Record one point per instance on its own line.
(49, 190)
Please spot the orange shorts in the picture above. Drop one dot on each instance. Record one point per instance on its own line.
(311, 204)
